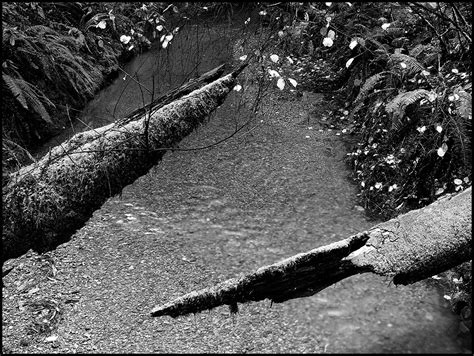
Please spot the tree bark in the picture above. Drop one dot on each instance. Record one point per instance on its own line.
(408, 248)
(46, 202)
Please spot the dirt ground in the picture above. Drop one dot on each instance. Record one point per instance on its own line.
(278, 188)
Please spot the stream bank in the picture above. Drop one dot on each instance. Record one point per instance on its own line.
(277, 188)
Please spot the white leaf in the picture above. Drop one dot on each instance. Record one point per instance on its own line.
(293, 82)
(353, 44)
(439, 191)
(165, 44)
(349, 62)
(273, 73)
(281, 83)
(327, 42)
(51, 338)
(159, 27)
(169, 37)
(455, 71)
(101, 24)
(131, 47)
(442, 150)
(425, 73)
(125, 39)
(238, 87)
(243, 58)
(331, 34)
(457, 181)
(290, 60)
(274, 58)
(175, 31)
(328, 4)
(385, 26)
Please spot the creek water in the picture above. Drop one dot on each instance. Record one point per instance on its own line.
(203, 216)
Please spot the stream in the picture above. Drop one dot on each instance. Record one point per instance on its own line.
(275, 189)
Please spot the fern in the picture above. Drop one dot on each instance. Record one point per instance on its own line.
(25, 93)
(369, 84)
(399, 104)
(412, 65)
(15, 89)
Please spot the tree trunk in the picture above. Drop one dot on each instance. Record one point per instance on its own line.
(408, 248)
(46, 202)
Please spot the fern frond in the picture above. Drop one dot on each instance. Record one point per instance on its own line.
(398, 104)
(412, 65)
(34, 96)
(369, 84)
(16, 90)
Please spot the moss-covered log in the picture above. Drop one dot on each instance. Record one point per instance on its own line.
(408, 248)
(46, 202)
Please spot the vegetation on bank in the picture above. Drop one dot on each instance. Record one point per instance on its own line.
(401, 72)
(402, 75)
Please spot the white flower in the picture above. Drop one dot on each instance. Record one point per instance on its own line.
(378, 185)
(385, 26)
(289, 60)
(439, 128)
(159, 27)
(125, 39)
(353, 44)
(274, 58)
(455, 71)
(328, 4)
(403, 65)
(425, 73)
(281, 33)
(102, 24)
(273, 73)
(247, 21)
(392, 187)
(421, 129)
(281, 83)
(457, 181)
(451, 98)
(327, 42)
(238, 87)
(243, 58)
(262, 13)
(442, 150)
(293, 82)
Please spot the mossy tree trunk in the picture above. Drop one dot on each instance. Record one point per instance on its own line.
(408, 248)
(46, 202)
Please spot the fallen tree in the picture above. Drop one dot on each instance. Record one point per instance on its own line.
(408, 249)
(46, 202)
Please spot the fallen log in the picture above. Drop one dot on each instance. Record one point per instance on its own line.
(46, 202)
(409, 248)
